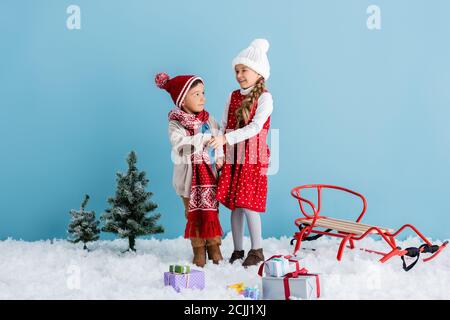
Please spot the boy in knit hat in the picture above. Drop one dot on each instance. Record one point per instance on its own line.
(195, 169)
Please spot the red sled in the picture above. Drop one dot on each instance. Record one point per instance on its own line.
(351, 231)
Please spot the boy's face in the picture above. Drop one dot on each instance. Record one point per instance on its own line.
(194, 101)
(245, 76)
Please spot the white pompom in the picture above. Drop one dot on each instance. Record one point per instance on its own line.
(262, 44)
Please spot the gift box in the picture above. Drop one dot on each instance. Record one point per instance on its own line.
(252, 293)
(277, 267)
(195, 279)
(305, 286)
(299, 283)
(179, 269)
(247, 292)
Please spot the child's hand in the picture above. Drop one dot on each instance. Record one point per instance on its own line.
(217, 142)
(219, 163)
(186, 206)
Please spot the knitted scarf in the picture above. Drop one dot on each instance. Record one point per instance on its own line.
(203, 219)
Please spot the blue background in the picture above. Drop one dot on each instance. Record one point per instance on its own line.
(365, 109)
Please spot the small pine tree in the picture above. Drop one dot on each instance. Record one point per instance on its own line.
(127, 215)
(83, 226)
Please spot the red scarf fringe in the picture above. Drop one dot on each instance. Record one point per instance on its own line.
(203, 224)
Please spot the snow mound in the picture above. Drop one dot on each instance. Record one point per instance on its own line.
(60, 270)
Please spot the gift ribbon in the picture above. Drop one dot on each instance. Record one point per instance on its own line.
(187, 279)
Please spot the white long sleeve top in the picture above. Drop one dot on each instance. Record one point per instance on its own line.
(263, 112)
(183, 145)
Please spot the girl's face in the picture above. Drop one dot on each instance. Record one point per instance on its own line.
(245, 76)
(194, 101)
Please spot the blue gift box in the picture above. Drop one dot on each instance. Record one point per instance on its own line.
(252, 293)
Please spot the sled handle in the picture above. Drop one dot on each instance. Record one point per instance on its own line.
(295, 192)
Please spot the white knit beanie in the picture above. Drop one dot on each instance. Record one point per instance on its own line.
(255, 57)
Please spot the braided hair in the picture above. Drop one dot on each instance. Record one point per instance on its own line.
(243, 112)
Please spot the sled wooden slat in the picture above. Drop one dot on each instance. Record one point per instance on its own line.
(362, 226)
(344, 226)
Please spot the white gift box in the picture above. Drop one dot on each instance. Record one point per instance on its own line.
(306, 286)
(277, 267)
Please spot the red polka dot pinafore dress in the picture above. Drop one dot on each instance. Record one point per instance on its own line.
(243, 180)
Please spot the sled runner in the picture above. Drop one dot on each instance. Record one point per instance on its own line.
(351, 231)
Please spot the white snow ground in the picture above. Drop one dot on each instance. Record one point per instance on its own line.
(42, 270)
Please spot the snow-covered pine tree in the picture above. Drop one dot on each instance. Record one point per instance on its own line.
(83, 226)
(127, 216)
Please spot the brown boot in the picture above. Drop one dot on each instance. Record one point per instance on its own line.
(199, 249)
(254, 257)
(199, 256)
(214, 253)
(236, 255)
(213, 249)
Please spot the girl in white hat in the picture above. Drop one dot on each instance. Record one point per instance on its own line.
(242, 185)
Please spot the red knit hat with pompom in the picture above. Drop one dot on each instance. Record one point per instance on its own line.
(177, 87)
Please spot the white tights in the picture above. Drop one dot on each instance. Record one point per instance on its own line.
(254, 227)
